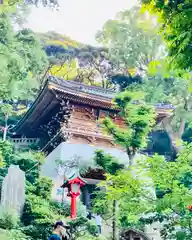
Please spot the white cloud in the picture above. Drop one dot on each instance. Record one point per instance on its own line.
(79, 19)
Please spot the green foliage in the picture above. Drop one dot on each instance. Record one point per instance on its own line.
(132, 39)
(68, 70)
(111, 166)
(3, 234)
(22, 62)
(36, 206)
(43, 187)
(17, 235)
(90, 237)
(134, 190)
(22, 59)
(139, 120)
(6, 150)
(173, 90)
(175, 20)
(11, 6)
(124, 81)
(64, 208)
(56, 39)
(72, 60)
(39, 215)
(12, 235)
(8, 219)
(28, 161)
(107, 162)
(39, 212)
(80, 227)
(101, 205)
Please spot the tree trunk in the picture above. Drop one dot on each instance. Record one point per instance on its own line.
(5, 128)
(4, 133)
(181, 128)
(131, 155)
(114, 220)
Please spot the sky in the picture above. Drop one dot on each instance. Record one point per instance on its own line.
(78, 19)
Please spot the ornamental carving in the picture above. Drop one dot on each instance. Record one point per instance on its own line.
(104, 143)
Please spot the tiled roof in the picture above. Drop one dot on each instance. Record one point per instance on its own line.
(79, 87)
(93, 90)
(96, 95)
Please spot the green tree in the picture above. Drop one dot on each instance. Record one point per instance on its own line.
(139, 119)
(39, 212)
(38, 215)
(164, 86)
(82, 228)
(139, 204)
(132, 40)
(12, 5)
(108, 210)
(22, 62)
(174, 18)
(123, 81)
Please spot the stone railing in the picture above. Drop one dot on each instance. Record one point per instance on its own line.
(24, 141)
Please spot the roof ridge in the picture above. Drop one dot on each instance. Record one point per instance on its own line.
(53, 78)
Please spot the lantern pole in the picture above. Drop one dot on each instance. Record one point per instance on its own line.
(73, 206)
(74, 184)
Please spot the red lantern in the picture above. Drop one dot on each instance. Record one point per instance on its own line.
(74, 184)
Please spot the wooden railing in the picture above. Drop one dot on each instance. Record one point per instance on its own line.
(87, 131)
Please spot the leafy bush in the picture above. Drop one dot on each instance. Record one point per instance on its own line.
(13, 235)
(3, 235)
(43, 187)
(8, 219)
(81, 227)
(38, 231)
(17, 235)
(90, 237)
(39, 215)
(37, 210)
(64, 208)
(81, 209)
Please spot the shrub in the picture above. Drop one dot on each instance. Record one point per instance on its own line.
(8, 219)
(81, 226)
(90, 237)
(81, 209)
(43, 187)
(17, 235)
(38, 231)
(3, 235)
(13, 235)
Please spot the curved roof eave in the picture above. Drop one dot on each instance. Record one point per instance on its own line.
(29, 111)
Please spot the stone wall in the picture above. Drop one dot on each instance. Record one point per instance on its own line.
(13, 190)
